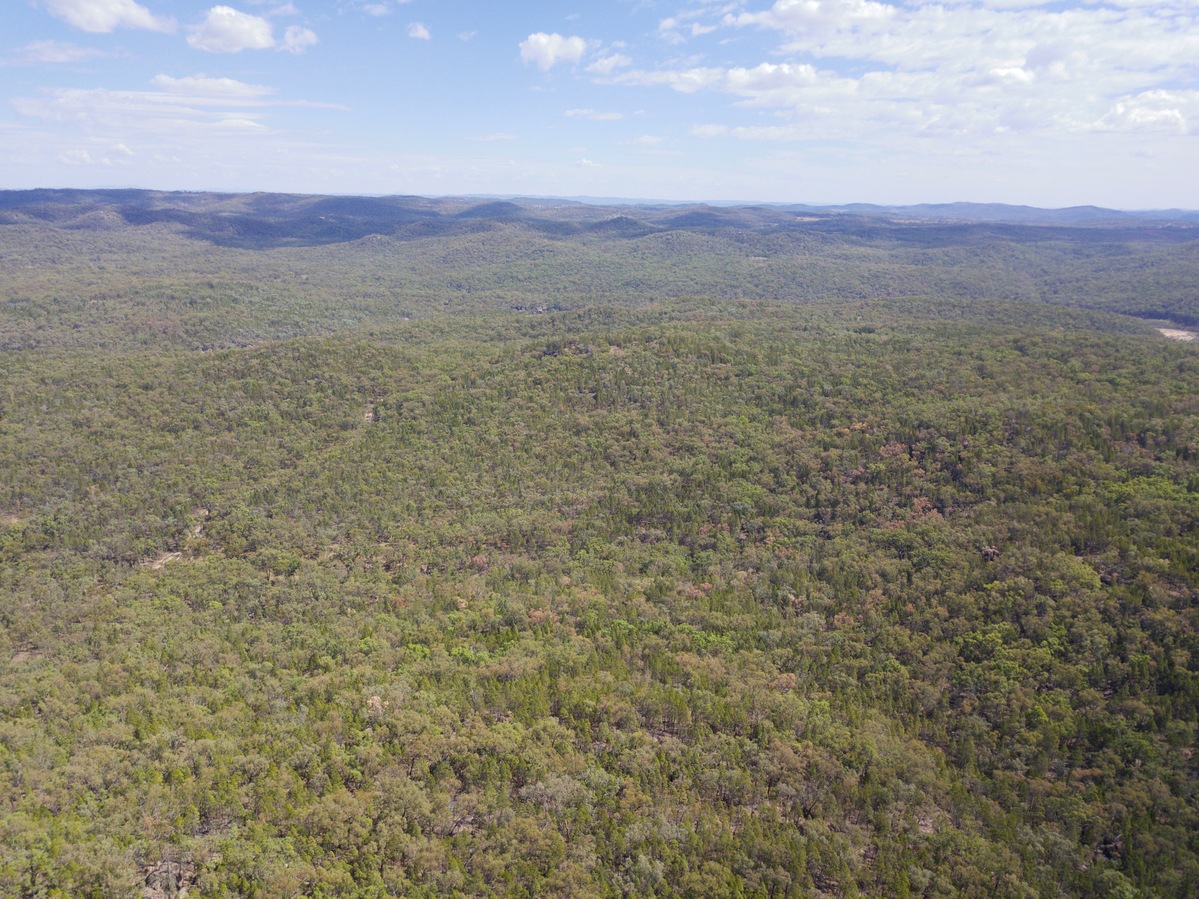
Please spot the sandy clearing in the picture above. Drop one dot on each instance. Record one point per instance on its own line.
(1175, 334)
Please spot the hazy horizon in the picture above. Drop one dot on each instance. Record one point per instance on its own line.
(623, 201)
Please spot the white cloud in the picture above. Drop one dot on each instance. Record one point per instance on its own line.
(760, 132)
(807, 16)
(546, 50)
(101, 153)
(467, 35)
(190, 132)
(380, 7)
(494, 137)
(587, 164)
(685, 81)
(203, 87)
(593, 114)
(175, 111)
(171, 116)
(606, 65)
(227, 30)
(239, 123)
(297, 39)
(418, 31)
(75, 157)
(668, 29)
(1159, 110)
(102, 16)
(43, 52)
(674, 31)
(1007, 75)
(647, 140)
(879, 72)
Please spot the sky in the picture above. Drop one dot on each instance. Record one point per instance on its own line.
(808, 101)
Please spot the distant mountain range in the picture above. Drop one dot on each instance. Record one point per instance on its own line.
(942, 212)
(1003, 213)
(262, 220)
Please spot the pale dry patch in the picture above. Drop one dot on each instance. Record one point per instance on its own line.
(1176, 334)
(161, 561)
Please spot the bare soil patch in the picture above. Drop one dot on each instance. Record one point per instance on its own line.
(1177, 334)
(156, 564)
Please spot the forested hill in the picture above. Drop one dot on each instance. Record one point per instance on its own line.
(133, 268)
(404, 547)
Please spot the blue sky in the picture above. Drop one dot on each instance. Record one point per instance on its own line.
(820, 101)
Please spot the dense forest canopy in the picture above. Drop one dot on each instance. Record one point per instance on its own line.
(367, 547)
